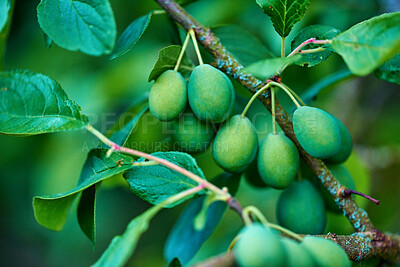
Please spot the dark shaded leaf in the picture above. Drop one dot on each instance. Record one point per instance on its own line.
(32, 103)
(51, 210)
(234, 38)
(197, 222)
(122, 247)
(167, 58)
(284, 13)
(131, 35)
(332, 80)
(319, 32)
(269, 67)
(87, 211)
(156, 183)
(390, 70)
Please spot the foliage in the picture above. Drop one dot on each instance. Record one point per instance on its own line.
(32, 103)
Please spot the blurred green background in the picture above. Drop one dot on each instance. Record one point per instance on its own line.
(51, 163)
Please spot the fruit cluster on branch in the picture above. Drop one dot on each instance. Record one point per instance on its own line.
(373, 243)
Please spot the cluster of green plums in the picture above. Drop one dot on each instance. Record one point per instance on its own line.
(260, 246)
(193, 108)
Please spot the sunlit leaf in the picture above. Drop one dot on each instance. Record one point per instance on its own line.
(367, 45)
(87, 26)
(32, 103)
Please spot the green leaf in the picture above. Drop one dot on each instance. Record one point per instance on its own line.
(328, 82)
(174, 263)
(131, 35)
(51, 210)
(87, 203)
(32, 103)
(186, 237)
(367, 45)
(86, 212)
(5, 6)
(121, 247)
(269, 67)
(156, 183)
(84, 25)
(319, 32)
(185, 2)
(233, 38)
(390, 70)
(167, 58)
(284, 13)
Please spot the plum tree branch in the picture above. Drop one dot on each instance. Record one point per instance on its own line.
(228, 64)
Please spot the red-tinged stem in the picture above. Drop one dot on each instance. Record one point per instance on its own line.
(309, 41)
(348, 192)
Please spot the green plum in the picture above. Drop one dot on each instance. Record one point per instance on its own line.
(301, 209)
(344, 177)
(317, 132)
(252, 175)
(168, 96)
(278, 160)
(259, 247)
(296, 254)
(211, 94)
(325, 253)
(191, 134)
(235, 145)
(346, 145)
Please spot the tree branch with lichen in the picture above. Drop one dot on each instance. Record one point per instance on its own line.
(375, 243)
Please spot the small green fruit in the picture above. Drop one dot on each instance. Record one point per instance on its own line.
(301, 209)
(317, 132)
(325, 253)
(191, 134)
(344, 177)
(259, 247)
(211, 94)
(278, 161)
(296, 255)
(346, 145)
(168, 96)
(235, 145)
(252, 175)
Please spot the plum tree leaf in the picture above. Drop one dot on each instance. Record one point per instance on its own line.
(5, 6)
(390, 70)
(167, 58)
(84, 25)
(368, 44)
(51, 210)
(87, 203)
(156, 183)
(122, 247)
(269, 67)
(32, 103)
(233, 38)
(319, 32)
(131, 35)
(188, 235)
(284, 13)
(86, 212)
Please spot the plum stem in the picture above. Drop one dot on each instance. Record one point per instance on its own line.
(185, 43)
(196, 46)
